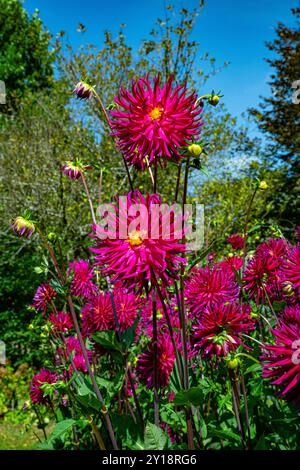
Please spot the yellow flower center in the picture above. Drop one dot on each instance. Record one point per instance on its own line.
(156, 113)
(135, 238)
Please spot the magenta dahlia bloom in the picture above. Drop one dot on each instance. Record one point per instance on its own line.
(82, 285)
(154, 122)
(145, 325)
(62, 322)
(231, 264)
(74, 349)
(98, 313)
(219, 329)
(273, 252)
(43, 296)
(281, 361)
(236, 241)
(291, 315)
(290, 269)
(210, 286)
(23, 227)
(263, 272)
(165, 363)
(36, 392)
(135, 256)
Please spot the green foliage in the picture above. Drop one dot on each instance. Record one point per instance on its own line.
(14, 390)
(278, 118)
(25, 60)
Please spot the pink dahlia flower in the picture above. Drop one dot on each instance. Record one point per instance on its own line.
(165, 363)
(290, 269)
(236, 241)
(145, 325)
(154, 122)
(291, 314)
(62, 322)
(135, 256)
(281, 361)
(36, 392)
(74, 349)
(98, 313)
(43, 296)
(82, 285)
(263, 272)
(232, 264)
(210, 286)
(219, 329)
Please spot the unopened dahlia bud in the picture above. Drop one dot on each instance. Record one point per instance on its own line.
(263, 185)
(74, 170)
(83, 91)
(23, 227)
(233, 363)
(213, 99)
(288, 288)
(195, 149)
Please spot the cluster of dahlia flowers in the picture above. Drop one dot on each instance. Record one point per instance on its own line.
(140, 281)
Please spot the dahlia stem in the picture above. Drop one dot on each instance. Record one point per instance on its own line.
(161, 298)
(246, 224)
(100, 187)
(150, 173)
(109, 123)
(184, 323)
(127, 369)
(92, 376)
(52, 255)
(102, 107)
(155, 369)
(235, 401)
(177, 183)
(97, 434)
(89, 198)
(41, 424)
(269, 302)
(186, 179)
(155, 176)
(95, 429)
(135, 397)
(246, 409)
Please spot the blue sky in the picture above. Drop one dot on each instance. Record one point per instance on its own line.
(232, 30)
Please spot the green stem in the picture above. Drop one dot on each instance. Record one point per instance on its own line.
(155, 368)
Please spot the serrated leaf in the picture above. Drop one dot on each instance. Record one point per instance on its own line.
(108, 340)
(155, 438)
(61, 428)
(193, 396)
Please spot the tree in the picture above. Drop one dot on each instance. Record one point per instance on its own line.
(278, 116)
(25, 59)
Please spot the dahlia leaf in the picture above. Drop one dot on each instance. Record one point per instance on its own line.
(61, 428)
(193, 396)
(108, 340)
(155, 438)
(129, 335)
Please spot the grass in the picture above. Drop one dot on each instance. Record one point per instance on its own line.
(16, 437)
